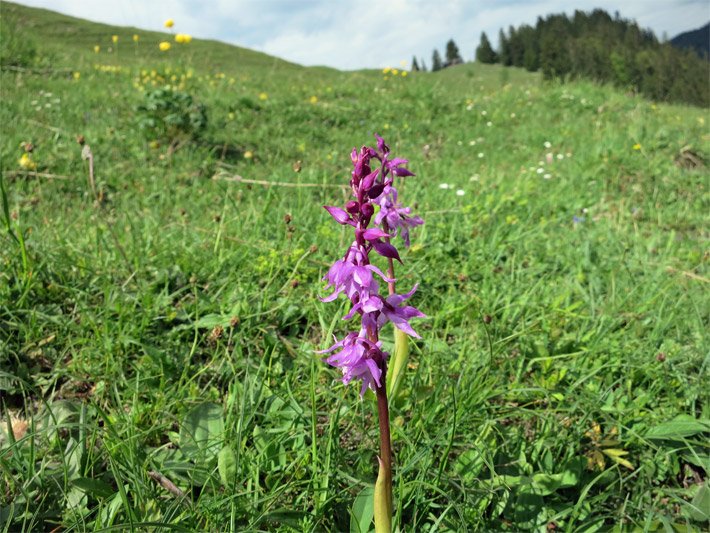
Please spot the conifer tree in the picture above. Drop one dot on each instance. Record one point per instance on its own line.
(504, 49)
(484, 52)
(453, 57)
(415, 65)
(436, 61)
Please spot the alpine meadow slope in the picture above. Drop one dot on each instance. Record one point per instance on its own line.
(162, 253)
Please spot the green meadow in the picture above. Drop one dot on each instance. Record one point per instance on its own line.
(159, 316)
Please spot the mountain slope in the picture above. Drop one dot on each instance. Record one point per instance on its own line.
(70, 40)
(698, 40)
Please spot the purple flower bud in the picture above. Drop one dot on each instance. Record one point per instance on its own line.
(381, 146)
(375, 190)
(370, 179)
(386, 250)
(374, 234)
(339, 215)
(352, 207)
(367, 210)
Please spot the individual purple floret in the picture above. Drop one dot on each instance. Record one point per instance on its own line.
(395, 215)
(351, 276)
(360, 354)
(358, 358)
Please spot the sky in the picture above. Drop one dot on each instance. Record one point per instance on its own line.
(354, 34)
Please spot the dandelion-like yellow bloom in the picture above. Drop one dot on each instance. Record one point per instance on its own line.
(136, 37)
(114, 38)
(248, 154)
(263, 96)
(97, 49)
(386, 70)
(76, 75)
(637, 146)
(178, 38)
(395, 72)
(169, 23)
(183, 38)
(404, 73)
(313, 99)
(164, 46)
(26, 162)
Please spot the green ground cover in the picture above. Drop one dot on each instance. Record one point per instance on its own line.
(164, 326)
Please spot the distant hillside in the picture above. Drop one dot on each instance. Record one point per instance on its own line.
(602, 48)
(697, 40)
(60, 40)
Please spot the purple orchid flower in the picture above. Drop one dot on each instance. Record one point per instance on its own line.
(360, 355)
(397, 217)
(358, 358)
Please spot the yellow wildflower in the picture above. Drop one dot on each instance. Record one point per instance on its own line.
(114, 38)
(26, 162)
(169, 23)
(395, 72)
(76, 75)
(386, 70)
(263, 96)
(97, 49)
(404, 73)
(248, 154)
(164, 46)
(313, 99)
(135, 37)
(637, 146)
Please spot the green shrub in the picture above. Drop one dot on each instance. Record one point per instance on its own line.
(171, 115)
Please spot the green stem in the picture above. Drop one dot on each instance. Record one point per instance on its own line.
(383, 486)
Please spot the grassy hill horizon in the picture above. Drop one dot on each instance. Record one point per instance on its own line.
(161, 260)
(73, 39)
